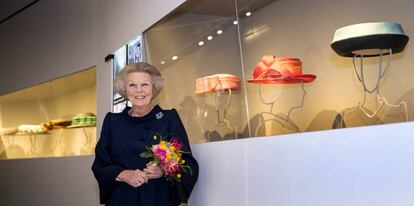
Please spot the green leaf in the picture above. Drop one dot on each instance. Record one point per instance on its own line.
(185, 167)
(145, 154)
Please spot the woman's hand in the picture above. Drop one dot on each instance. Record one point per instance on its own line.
(135, 178)
(153, 172)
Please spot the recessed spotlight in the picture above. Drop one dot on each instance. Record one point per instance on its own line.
(248, 13)
(209, 38)
(200, 43)
(219, 31)
(174, 58)
(235, 22)
(162, 62)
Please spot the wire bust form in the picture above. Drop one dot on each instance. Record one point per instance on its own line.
(220, 84)
(381, 101)
(285, 122)
(223, 122)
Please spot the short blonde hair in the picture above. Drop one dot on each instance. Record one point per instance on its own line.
(122, 78)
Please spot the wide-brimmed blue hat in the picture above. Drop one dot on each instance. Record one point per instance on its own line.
(369, 39)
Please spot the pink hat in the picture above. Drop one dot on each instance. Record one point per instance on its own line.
(286, 70)
(217, 82)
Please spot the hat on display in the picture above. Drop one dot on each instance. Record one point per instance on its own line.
(217, 82)
(83, 120)
(369, 39)
(286, 70)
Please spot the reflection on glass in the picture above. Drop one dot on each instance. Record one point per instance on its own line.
(203, 42)
(135, 52)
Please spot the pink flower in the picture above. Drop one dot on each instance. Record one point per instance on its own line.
(160, 153)
(176, 143)
(168, 156)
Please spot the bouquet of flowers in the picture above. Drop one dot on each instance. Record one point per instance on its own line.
(167, 155)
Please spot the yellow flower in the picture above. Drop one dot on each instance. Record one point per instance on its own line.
(182, 161)
(172, 148)
(155, 137)
(179, 175)
(163, 145)
(168, 156)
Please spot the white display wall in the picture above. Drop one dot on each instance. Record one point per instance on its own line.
(356, 166)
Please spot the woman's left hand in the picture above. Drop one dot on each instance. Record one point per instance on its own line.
(153, 172)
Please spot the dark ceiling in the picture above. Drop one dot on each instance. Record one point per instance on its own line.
(10, 8)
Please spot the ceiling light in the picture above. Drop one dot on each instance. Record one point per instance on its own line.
(174, 58)
(200, 43)
(162, 62)
(248, 13)
(209, 38)
(235, 22)
(219, 31)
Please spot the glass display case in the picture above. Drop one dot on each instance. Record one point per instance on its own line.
(349, 91)
(270, 67)
(51, 119)
(198, 53)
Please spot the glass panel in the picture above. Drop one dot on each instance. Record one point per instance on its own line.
(299, 34)
(295, 61)
(197, 50)
(52, 119)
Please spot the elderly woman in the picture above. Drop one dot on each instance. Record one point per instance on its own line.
(125, 178)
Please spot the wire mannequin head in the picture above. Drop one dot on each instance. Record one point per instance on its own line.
(269, 97)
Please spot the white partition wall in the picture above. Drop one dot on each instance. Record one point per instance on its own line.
(222, 178)
(357, 166)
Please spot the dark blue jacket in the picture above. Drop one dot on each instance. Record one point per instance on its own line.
(123, 138)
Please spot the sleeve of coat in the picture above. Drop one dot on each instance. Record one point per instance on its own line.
(188, 179)
(103, 167)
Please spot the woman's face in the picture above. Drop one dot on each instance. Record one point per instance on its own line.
(139, 89)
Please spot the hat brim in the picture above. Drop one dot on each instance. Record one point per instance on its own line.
(298, 79)
(347, 47)
(219, 90)
(81, 125)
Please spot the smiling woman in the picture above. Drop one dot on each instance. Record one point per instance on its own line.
(123, 176)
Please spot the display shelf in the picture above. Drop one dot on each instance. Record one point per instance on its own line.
(46, 105)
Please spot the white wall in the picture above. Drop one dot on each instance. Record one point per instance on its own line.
(355, 166)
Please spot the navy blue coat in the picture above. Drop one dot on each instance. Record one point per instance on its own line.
(123, 138)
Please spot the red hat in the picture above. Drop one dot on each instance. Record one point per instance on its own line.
(286, 70)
